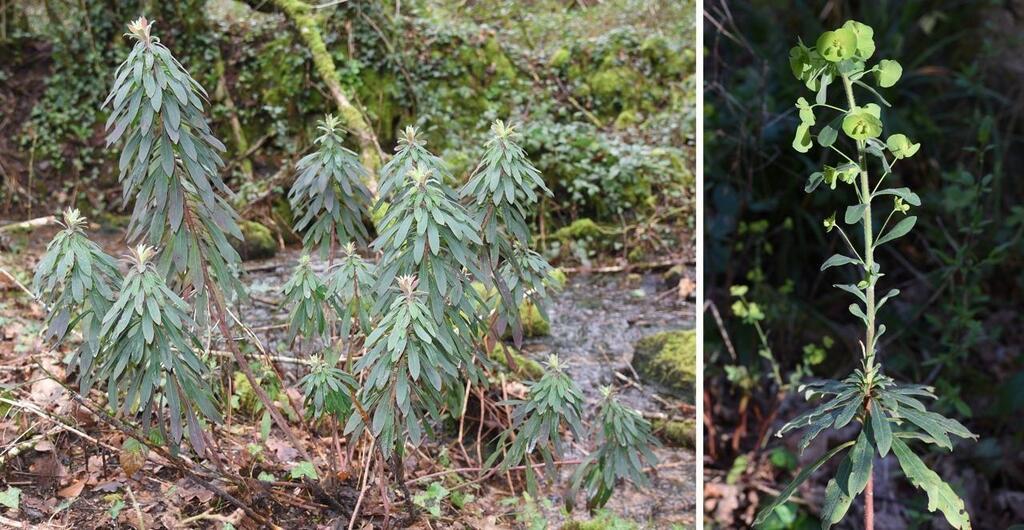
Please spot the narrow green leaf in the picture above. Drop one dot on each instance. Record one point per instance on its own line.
(838, 260)
(881, 429)
(787, 492)
(897, 231)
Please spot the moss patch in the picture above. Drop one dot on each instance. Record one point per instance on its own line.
(677, 433)
(669, 359)
(258, 242)
(534, 323)
(526, 368)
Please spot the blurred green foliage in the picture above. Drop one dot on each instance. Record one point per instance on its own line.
(961, 276)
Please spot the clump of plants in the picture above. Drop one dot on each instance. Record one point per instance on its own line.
(891, 416)
(420, 330)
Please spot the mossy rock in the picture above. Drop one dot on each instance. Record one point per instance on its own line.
(584, 228)
(258, 242)
(534, 323)
(668, 359)
(677, 433)
(526, 368)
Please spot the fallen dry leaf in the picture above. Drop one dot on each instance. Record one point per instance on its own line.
(72, 491)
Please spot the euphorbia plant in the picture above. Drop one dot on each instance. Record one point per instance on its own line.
(891, 415)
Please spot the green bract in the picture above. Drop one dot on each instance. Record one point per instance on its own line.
(887, 73)
(861, 124)
(837, 45)
(888, 415)
(329, 197)
(865, 38)
(901, 147)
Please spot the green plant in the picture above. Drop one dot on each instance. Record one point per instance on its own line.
(148, 355)
(502, 190)
(891, 414)
(328, 196)
(170, 164)
(625, 442)
(307, 295)
(76, 280)
(552, 401)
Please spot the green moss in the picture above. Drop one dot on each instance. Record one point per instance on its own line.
(560, 58)
(670, 359)
(677, 433)
(258, 242)
(526, 368)
(602, 520)
(627, 119)
(612, 82)
(579, 229)
(557, 278)
(534, 323)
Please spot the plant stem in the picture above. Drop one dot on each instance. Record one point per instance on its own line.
(869, 502)
(869, 251)
(869, 310)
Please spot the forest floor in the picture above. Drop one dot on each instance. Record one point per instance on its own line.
(63, 468)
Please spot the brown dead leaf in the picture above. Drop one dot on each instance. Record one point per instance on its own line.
(73, 490)
(687, 288)
(284, 452)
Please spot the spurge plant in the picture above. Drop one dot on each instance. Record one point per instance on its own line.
(891, 415)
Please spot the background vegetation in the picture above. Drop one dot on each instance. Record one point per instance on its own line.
(956, 326)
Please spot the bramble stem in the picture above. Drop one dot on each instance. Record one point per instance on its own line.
(869, 310)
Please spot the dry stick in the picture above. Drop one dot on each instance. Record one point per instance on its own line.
(135, 504)
(362, 489)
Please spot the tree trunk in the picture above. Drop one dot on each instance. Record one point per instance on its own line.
(301, 14)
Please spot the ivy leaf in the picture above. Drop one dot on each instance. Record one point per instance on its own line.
(11, 497)
(303, 469)
(940, 495)
(897, 231)
(887, 73)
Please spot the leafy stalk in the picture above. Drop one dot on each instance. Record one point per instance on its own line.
(888, 412)
(77, 282)
(328, 196)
